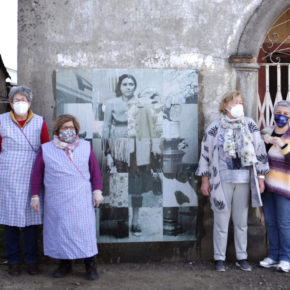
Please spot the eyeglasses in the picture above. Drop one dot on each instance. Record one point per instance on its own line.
(17, 101)
(67, 127)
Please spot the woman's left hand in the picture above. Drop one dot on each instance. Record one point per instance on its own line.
(35, 204)
(98, 197)
(261, 185)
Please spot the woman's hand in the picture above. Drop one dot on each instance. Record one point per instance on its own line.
(205, 186)
(35, 204)
(261, 184)
(278, 141)
(97, 198)
(268, 139)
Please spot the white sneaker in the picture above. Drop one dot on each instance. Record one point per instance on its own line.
(268, 263)
(284, 266)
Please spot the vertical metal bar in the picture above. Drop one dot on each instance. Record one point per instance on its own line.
(261, 104)
(278, 95)
(288, 94)
(267, 97)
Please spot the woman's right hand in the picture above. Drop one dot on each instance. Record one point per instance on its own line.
(205, 186)
(35, 204)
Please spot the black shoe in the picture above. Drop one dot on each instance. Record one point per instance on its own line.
(91, 268)
(32, 269)
(136, 230)
(244, 265)
(220, 266)
(64, 268)
(14, 269)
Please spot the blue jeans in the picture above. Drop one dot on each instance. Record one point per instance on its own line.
(12, 244)
(277, 216)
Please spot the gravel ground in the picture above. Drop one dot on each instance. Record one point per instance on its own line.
(193, 275)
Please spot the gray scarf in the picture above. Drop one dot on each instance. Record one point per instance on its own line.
(238, 140)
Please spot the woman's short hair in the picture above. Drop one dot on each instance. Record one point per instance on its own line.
(229, 97)
(63, 119)
(22, 90)
(282, 104)
(121, 78)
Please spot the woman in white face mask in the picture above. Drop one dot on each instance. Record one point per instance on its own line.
(233, 161)
(21, 134)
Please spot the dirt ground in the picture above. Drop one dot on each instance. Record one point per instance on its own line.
(193, 275)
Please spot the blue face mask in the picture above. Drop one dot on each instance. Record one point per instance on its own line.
(281, 120)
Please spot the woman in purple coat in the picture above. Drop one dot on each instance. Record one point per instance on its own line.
(73, 187)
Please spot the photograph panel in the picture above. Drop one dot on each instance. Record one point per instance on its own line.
(114, 226)
(117, 193)
(180, 87)
(179, 223)
(143, 229)
(73, 86)
(179, 190)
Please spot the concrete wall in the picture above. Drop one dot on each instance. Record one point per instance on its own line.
(136, 34)
(184, 34)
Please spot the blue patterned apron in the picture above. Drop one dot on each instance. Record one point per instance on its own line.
(17, 157)
(69, 225)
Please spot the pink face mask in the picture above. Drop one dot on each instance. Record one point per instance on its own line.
(68, 135)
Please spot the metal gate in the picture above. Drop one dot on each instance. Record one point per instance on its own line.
(274, 73)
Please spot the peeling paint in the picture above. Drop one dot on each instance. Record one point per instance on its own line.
(185, 60)
(72, 60)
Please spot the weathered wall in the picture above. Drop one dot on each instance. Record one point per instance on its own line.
(136, 34)
(184, 34)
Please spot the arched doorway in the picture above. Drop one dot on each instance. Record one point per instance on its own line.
(245, 57)
(274, 72)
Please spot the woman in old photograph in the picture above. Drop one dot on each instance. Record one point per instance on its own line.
(115, 132)
(233, 160)
(73, 187)
(21, 134)
(116, 109)
(276, 198)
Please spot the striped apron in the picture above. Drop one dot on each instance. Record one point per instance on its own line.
(69, 224)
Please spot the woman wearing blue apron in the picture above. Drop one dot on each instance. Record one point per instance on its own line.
(73, 187)
(21, 134)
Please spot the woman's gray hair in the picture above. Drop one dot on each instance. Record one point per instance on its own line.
(22, 90)
(282, 104)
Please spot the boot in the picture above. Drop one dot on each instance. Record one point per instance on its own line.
(91, 268)
(64, 268)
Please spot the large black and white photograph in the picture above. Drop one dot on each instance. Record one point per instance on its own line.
(143, 127)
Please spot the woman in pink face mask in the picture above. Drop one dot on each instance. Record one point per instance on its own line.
(69, 170)
(233, 161)
(21, 134)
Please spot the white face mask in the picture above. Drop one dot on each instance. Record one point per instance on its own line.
(237, 111)
(20, 108)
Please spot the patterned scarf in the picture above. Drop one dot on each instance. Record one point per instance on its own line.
(238, 140)
(67, 147)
